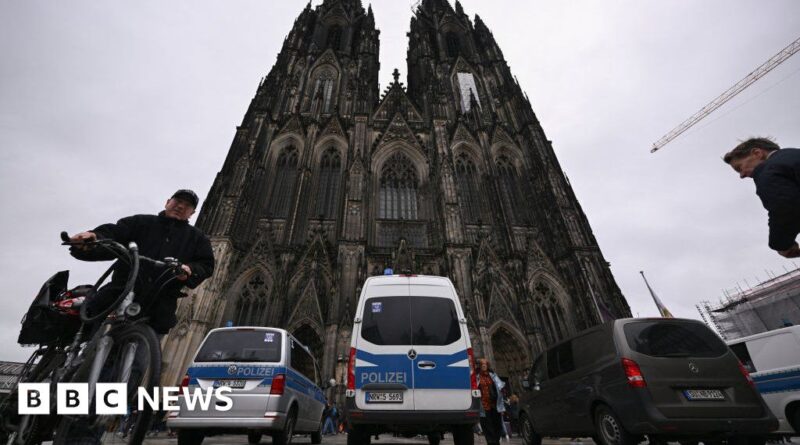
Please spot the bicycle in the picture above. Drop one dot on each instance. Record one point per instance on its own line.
(123, 349)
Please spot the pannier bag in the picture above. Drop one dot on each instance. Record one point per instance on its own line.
(53, 317)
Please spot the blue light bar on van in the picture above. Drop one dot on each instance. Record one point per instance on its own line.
(229, 324)
(388, 271)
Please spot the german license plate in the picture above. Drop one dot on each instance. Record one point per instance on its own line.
(704, 394)
(232, 384)
(384, 397)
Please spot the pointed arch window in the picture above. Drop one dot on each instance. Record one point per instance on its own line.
(510, 191)
(548, 313)
(283, 186)
(323, 91)
(330, 178)
(453, 44)
(398, 189)
(334, 38)
(252, 303)
(469, 196)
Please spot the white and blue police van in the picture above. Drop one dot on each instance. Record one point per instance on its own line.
(274, 383)
(411, 365)
(773, 360)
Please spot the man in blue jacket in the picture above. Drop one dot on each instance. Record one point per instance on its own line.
(776, 173)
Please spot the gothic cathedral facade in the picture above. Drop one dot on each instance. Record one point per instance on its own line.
(328, 180)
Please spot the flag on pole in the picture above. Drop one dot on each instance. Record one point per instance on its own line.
(661, 308)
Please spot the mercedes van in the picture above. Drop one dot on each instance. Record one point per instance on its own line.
(411, 365)
(664, 378)
(773, 360)
(274, 386)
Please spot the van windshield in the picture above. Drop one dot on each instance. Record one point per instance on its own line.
(429, 321)
(662, 338)
(241, 346)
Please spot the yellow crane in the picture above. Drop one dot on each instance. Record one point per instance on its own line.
(756, 74)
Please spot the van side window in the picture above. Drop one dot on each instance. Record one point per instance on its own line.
(591, 348)
(539, 371)
(740, 349)
(302, 362)
(560, 360)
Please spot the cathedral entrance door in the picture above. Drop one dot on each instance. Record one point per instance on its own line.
(511, 360)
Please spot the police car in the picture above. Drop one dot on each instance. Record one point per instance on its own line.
(274, 385)
(773, 360)
(411, 364)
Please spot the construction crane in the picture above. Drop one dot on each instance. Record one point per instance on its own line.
(756, 74)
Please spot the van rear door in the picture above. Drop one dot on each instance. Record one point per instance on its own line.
(383, 367)
(689, 371)
(244, 359)
(441, 366)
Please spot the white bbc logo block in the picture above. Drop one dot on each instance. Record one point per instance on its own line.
(33, 398)
(111, 398)
(72, 398)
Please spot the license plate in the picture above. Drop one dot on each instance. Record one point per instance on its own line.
(384, 397)
(232, 384)
(704, 394)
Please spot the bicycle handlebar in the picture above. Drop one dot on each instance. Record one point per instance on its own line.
(131, 256)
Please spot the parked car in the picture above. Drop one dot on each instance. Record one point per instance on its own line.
(274, 387)
(411, 365)
(773, 360)
(664, 378)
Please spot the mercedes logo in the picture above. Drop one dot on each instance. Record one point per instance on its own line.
(232, 369)
(412, 354)
(693, 368)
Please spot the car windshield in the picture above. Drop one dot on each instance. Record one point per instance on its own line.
(241, 345)
(664, 338)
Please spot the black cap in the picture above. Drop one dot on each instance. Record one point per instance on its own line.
(187, 195)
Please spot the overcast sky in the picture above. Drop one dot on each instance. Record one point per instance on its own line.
(107, 107)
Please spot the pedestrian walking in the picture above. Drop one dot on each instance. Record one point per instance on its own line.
(776, 173)
(327, 414)
(492, 403)
(513, 414)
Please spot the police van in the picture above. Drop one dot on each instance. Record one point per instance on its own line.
(773, 360)
(411, 364)
(274, 385)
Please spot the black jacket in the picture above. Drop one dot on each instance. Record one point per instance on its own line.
(778, 185)
(158, 237)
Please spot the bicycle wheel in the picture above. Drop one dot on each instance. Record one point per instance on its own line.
(135, 359)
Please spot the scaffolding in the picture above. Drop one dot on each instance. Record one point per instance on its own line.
(771, 304)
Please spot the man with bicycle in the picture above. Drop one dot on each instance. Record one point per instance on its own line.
(167, 234)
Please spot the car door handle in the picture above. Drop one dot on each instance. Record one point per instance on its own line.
(426, 365)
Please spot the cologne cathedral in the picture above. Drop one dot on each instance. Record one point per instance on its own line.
(330, 179)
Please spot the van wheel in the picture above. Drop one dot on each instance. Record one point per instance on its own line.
(463, 435)
(529, 435)
(434, 438)
(284, 437)
(357, 436)
(610, 430)
(190, 437)
(254, 437)
(316, 436)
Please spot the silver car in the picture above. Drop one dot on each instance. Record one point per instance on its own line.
(274, 386)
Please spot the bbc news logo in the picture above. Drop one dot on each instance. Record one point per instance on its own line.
(111, 398)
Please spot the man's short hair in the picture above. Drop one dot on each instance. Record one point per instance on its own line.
(743, 149)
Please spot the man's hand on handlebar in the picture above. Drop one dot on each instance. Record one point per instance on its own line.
(184, 273)
(82, 238)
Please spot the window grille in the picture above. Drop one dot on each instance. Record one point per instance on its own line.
(252, 303)
(283, 186)
(398, 189)
(510, 192)
(453, 44)
(469, 196)
(330, 177)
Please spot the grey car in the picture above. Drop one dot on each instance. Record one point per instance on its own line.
(664, 378)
